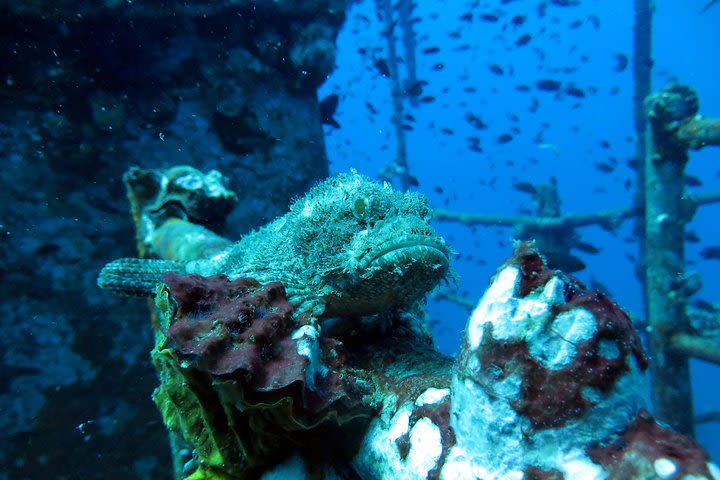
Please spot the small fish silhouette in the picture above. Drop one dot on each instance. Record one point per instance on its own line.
(709, 6)
(327, 110)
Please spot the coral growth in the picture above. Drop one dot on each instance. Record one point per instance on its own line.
(648, 451)
(584, 342)
(547, 371)
(242, 380)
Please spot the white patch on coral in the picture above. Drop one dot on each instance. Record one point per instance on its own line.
(554, 346)
(714, 471)
(609, 349)
(459, 466)
(425, 447)
(432, 396)
(379, 455)
(487, 428)
(665, 468)
(494, 304)
(190, 182)
(577, 465)
(507, 389)
(148, 228)
(485, 425)
(512, 317)
(400, 424)
(215, 184)
(309, 347)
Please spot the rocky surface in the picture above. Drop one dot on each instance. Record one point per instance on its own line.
(89, 89)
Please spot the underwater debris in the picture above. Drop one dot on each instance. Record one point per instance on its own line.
(247, 379)
(181, 192)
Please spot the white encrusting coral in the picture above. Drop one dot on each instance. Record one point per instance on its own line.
(308, 346)
(432, 396)
(491, 430)
(665, 468)
(381, 453)
(714, 470)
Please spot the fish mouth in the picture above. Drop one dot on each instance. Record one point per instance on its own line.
(392, 273)
(407, 249)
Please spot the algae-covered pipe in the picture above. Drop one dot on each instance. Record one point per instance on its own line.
(707, 349)
(665, 254)
(548, 372)
(675, 127)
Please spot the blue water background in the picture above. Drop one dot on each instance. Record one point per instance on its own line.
(686, 49)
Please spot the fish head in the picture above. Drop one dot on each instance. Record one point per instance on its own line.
(372, 247)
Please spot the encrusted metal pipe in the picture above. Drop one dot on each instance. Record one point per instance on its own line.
(675, 127)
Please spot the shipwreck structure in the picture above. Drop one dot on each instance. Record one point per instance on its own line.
(257, 381)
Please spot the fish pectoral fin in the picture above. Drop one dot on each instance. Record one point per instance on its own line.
(305, 302)
(136, 277)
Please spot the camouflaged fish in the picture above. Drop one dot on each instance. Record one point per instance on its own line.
(350, 246)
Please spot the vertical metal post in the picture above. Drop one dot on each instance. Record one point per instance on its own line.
(666, 213)
(642, 68)
(405, 20)
(385, 8)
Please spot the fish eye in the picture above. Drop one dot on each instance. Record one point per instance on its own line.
(360, 207)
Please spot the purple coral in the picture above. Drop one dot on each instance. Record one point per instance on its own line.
(242, 330)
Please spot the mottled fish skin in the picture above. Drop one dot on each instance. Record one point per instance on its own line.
(350, 246)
